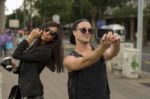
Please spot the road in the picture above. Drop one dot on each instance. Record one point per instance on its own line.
(146, 62)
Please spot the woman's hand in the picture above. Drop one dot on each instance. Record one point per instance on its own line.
(35, 33)
(14, 67)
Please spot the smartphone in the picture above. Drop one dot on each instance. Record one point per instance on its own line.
(101, 32)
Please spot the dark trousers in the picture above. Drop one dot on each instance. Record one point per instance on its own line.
(3, 49)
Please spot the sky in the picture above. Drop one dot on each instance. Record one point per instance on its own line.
(12, 5)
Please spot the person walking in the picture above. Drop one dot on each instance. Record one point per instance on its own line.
(42, 48)
(87, 77)
(3, 41)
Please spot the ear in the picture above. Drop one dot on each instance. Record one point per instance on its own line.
(74, 32)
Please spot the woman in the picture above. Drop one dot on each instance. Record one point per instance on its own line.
(43, 47)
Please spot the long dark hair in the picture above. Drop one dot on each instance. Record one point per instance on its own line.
(56, 62)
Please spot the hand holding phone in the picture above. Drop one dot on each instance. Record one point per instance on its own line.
(101, 32)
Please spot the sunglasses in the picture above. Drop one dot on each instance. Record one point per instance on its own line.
(51, 32)
(84, 31)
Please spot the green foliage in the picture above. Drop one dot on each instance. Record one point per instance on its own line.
(71, 10)
(101, 5)
(17, 15)
(125, 11)
(47, 8)
(81, 9)
(147, 11)
(134, 64)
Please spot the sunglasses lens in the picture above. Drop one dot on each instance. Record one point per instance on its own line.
(84, 30)
(46, 30)
(90, 31)
(53, 33)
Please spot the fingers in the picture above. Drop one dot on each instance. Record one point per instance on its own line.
(110, 38)
(36, 33)
(37, 30)
(104, 36)
(107, 36)
(13, 64)
(116, 37)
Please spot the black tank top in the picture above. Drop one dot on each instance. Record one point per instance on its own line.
(90, 82)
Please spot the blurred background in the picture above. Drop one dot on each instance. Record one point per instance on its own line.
(128, 72)
(33, 13)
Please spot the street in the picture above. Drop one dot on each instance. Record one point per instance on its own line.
(146, 62)
(55, 85)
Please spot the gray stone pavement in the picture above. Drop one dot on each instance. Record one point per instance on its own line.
(55, 85)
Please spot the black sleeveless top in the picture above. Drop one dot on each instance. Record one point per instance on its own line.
(90, 82)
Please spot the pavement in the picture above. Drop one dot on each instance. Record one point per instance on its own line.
(55, 85)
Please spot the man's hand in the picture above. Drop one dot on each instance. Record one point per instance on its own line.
(106, 40)
(115, 39)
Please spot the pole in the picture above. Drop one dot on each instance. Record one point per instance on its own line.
(31, 14)
(2, 15)
(140, 28)
(24, 14)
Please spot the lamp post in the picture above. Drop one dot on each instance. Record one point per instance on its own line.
(140, 28)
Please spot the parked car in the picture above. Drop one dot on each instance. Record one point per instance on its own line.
(115, 28)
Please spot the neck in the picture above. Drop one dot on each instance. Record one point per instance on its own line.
(82, 47)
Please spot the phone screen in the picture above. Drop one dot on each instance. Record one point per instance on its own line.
(101, 32)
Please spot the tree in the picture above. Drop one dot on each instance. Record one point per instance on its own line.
(81, 9)
(125, 11)
(2, 16)
(146, 25)
(47, 8)
(99, 7)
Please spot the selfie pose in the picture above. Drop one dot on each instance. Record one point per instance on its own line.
(87, 77)
(42, 48)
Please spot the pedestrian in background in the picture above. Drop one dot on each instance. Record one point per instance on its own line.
(3, 41)
(46, 51)
(9, 44)
(86, 65)
(20, 38)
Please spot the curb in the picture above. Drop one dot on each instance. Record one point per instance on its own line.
(0, 85)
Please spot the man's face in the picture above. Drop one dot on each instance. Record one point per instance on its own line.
(83, 32)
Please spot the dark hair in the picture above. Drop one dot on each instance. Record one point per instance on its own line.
(74, 26)
(56, 62)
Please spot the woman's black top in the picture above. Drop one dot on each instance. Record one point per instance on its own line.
(90, 82)
(32, 62)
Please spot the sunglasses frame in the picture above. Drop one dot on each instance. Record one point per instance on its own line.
(50, 32)
(84, 30)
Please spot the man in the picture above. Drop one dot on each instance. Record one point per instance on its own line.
(86, 64)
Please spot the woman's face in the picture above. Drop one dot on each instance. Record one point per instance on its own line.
(49, 34)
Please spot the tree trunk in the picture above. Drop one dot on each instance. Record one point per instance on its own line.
(2, 15)
(145, 31)
(93, 16)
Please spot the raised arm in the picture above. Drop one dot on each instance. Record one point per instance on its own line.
(38, 54)
(114, 49)
(76, 63)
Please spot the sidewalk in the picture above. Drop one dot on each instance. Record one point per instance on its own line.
(56, 88)
(55, 85)
(123, 88)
